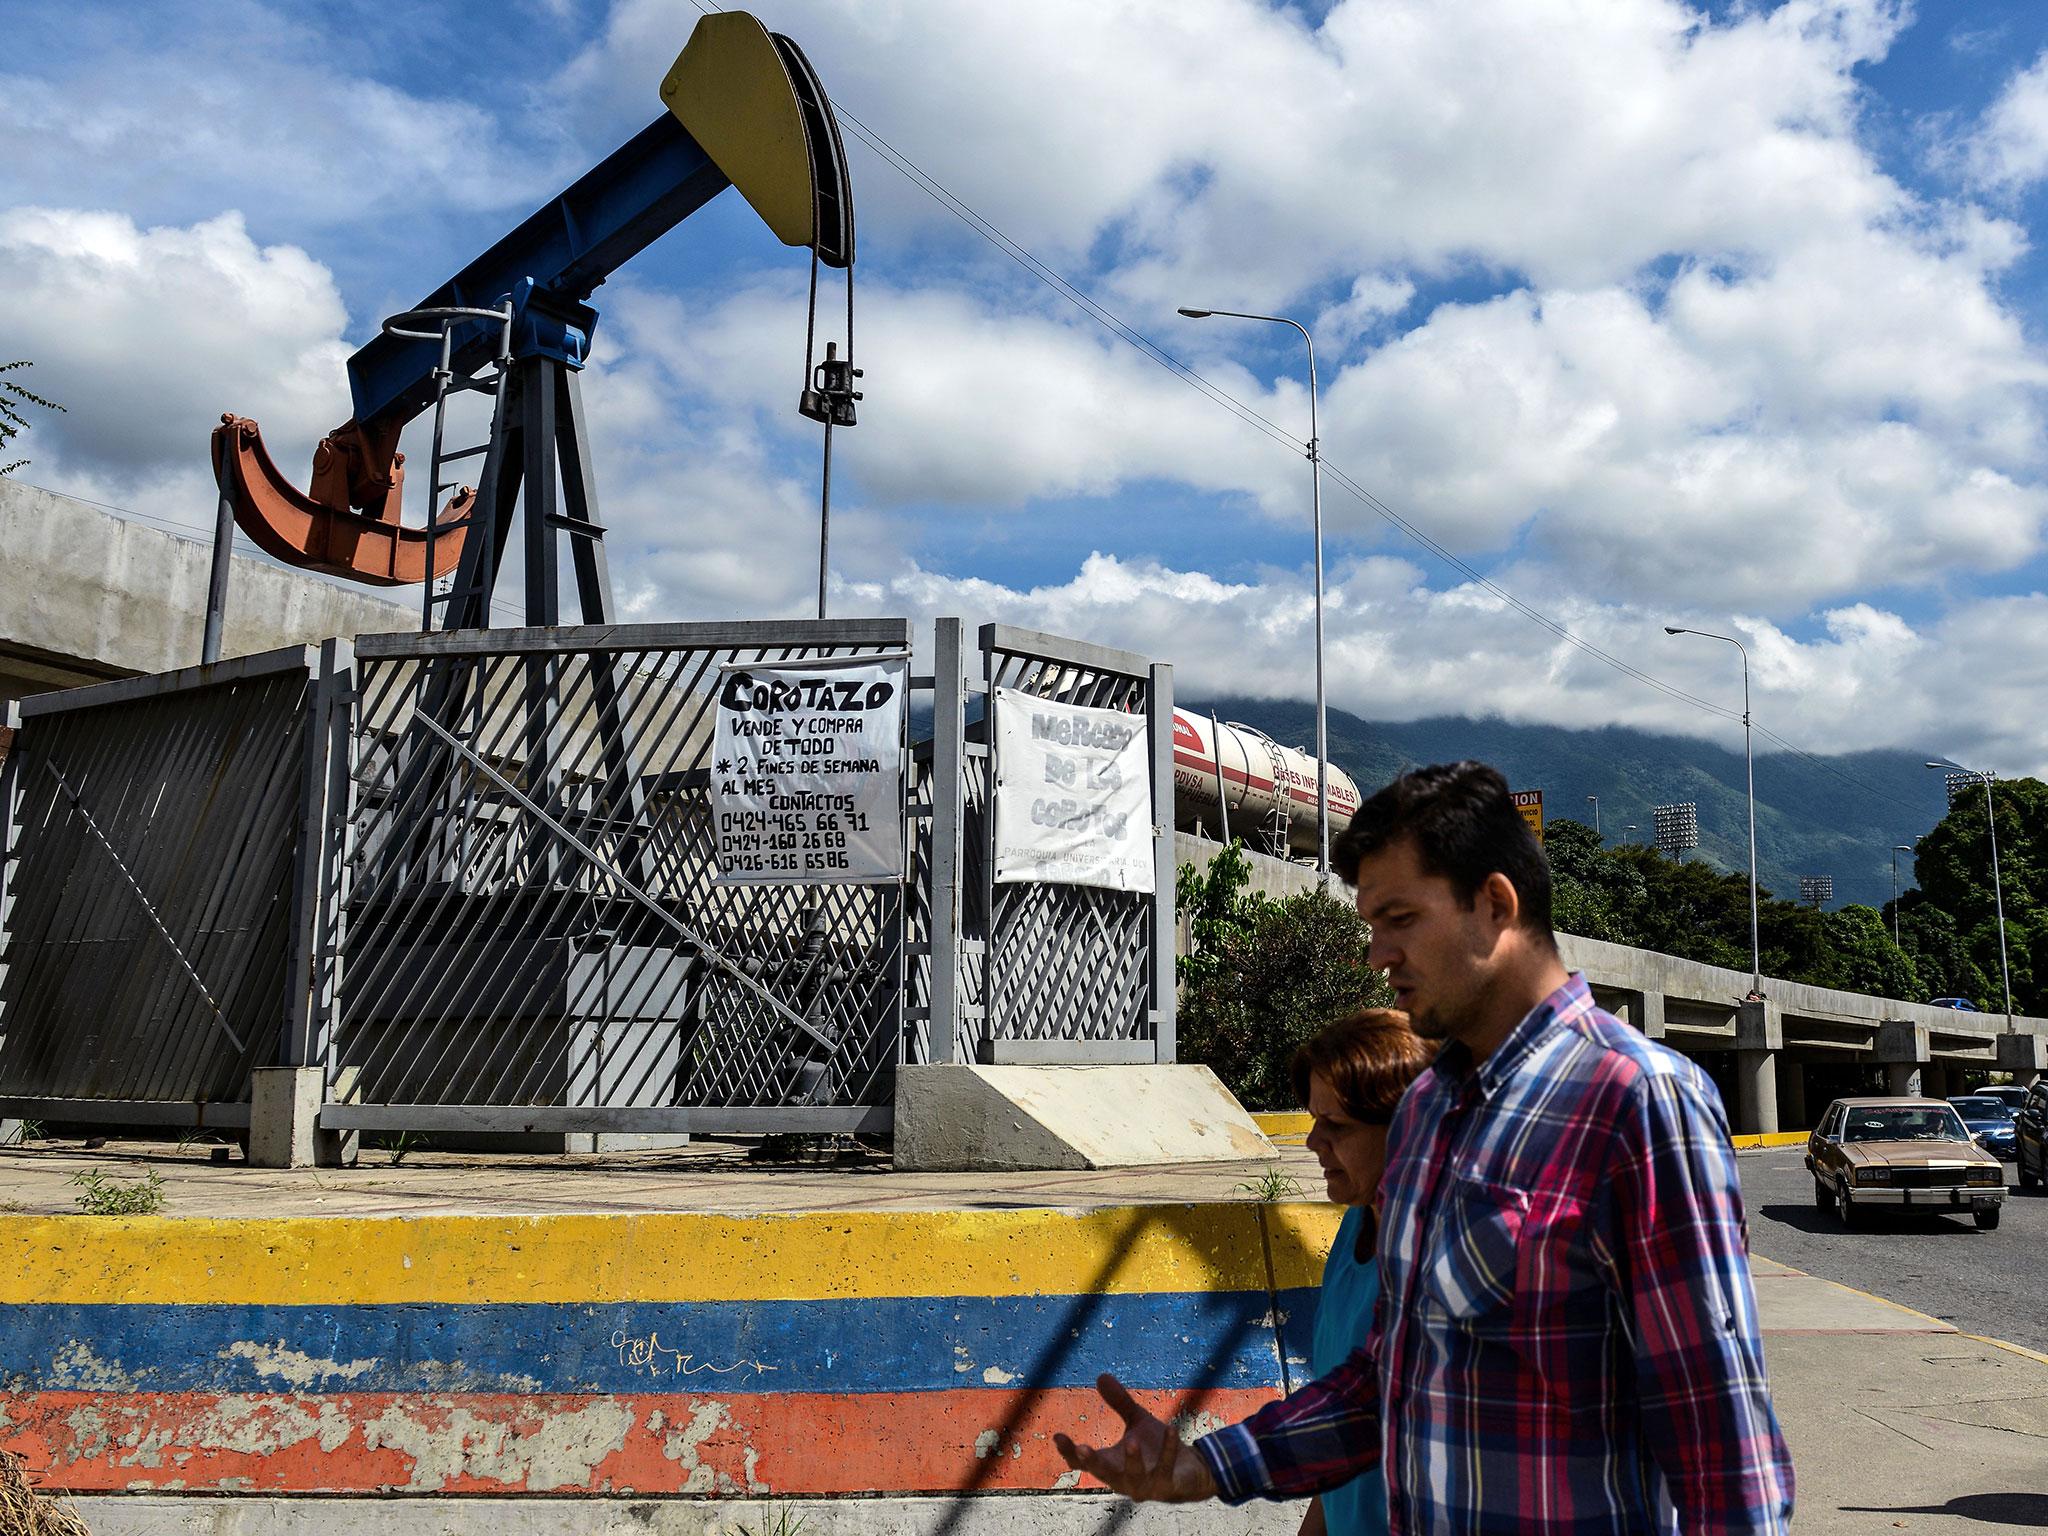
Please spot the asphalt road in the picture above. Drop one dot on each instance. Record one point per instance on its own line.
(1992, 1283)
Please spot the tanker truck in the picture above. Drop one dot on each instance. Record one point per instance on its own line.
(1225, 771)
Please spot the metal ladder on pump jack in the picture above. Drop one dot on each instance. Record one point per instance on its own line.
(446, 319)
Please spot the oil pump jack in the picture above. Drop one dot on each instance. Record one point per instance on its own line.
(744, 109)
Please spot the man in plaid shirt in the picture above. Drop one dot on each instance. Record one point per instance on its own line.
(1566, 1339)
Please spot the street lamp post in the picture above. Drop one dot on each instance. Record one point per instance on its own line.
(1315, 461)
(1897, 849)
(1997, 889)
(1756, 952)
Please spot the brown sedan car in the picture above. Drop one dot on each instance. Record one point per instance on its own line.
(1906, 1152)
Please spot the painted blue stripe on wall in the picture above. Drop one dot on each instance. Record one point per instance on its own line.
(894, 1344)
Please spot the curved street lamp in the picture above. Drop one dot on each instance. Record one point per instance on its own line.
(1756, 953)
(1315, 460)
(1897, 849)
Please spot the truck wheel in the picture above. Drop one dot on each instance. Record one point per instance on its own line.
(1986, 1217)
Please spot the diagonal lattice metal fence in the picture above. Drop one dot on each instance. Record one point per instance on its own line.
(527, 930)
(470, 877)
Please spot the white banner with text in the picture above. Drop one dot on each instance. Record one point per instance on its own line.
(807, 773)
(1073, 794)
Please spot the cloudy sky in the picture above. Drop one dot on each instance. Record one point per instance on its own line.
(1640, 312)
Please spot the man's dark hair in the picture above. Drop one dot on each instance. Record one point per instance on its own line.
(1464, 827)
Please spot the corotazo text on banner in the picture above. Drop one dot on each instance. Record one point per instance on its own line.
(1073, 794)
(807, 773)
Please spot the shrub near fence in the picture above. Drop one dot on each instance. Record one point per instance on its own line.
(1262, 975)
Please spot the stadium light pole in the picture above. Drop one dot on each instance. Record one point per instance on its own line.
(1997, 889)
(1315, 464)
(1756, 950)
(1897, 849)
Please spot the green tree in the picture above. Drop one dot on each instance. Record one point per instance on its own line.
(1261, 976)
(1866, 959)
(1950, 924)
(1593, 893)
(13, 396)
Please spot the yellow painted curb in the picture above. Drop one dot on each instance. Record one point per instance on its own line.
(653, 1257)
(2006, 1344)
(1769, 1139)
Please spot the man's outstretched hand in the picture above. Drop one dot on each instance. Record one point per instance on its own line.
(1150, 1462)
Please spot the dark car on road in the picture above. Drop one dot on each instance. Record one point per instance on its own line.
(2031, 1126)
(1989, 1120)
(2011, 1095)
(1906, 1153)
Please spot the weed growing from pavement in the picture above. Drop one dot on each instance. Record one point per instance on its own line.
(779, 1522)
(398, 1143)
(99, 1195)
(1275, 1183)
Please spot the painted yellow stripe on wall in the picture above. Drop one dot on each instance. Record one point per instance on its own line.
(1288, 1122)
(1301, 1233)
(647, 1257)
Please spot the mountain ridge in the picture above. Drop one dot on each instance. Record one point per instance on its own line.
(1816, 815)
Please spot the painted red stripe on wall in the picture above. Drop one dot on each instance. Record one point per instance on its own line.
(792, 1443)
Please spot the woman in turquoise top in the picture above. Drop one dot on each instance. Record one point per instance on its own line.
(1351, 1076)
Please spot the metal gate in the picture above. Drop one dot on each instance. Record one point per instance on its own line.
(1034, 973)
(526, 933)
(149, 904)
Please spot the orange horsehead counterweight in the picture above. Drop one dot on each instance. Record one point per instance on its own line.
(745, 109)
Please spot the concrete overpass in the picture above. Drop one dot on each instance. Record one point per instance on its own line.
(1777, 1061)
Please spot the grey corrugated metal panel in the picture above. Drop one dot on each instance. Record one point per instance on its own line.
(166, 850)
(63, 868)
(230, 869)
(192, 787)
(737, 635)
(235, 869)
(128, 690)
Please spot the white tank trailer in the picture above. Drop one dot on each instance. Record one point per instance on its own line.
(1268, 791)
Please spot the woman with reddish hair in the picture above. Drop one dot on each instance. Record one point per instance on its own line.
(1351, 1075)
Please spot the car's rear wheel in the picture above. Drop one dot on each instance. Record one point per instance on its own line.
(1823, 1197)
(1986, 1217)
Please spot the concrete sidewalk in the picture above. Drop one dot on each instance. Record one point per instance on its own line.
(1897, 1422)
